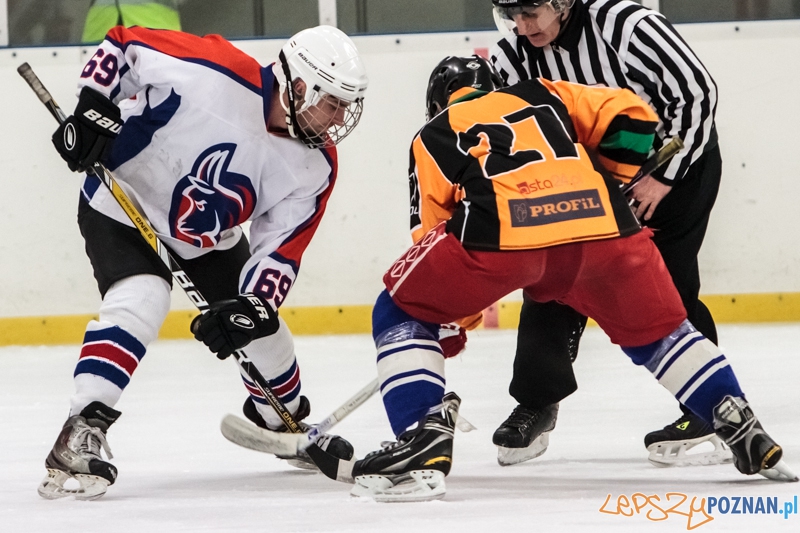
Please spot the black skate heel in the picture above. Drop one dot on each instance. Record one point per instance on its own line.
(414, 467)
(754, 451)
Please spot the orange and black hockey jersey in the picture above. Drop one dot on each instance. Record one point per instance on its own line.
(511, 170)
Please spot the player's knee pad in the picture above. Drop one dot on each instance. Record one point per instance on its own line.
(410, 364)
(138, 304)
(691, 367)
(275, 359)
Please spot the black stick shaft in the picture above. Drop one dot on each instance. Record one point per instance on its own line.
(656, 161)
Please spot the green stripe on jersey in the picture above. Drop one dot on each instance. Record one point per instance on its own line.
(627, 140)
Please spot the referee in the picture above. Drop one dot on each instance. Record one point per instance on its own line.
(616, 43)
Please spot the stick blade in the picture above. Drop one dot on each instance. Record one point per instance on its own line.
(248, 435)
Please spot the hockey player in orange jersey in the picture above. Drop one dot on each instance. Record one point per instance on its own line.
(519, 188)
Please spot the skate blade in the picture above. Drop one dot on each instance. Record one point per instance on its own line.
(513, 456)
(780, 472)
(52, 486)
(677, 453)
(415, 486)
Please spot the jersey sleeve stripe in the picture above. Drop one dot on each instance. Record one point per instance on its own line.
(292, 248)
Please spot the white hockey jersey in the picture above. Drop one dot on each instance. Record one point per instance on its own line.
(196, 158)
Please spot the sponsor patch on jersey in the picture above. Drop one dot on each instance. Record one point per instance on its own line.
(556, 208)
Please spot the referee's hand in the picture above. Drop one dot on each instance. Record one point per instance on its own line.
(646, 196)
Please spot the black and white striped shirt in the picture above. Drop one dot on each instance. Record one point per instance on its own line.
(619, 43)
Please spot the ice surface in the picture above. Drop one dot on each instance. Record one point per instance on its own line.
(177, 472)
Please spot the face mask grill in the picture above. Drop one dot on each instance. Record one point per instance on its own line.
(328, 121)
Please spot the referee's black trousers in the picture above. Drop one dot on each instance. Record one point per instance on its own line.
(547, 341)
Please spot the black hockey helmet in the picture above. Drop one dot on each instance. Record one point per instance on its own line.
(505, 10)
(454, 73)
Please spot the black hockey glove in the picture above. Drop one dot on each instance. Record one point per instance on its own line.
(232, 324)
(86, 136)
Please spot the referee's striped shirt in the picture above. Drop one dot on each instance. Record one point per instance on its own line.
(619, 43)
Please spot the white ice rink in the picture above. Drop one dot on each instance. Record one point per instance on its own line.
(177, 473)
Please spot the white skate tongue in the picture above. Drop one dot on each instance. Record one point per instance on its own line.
(415, 486)
(779, 472)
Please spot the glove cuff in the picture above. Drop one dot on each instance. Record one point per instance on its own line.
(263, 314)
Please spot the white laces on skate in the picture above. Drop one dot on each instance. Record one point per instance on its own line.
(90, 440)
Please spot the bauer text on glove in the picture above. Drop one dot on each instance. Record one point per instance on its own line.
(232, 324)
(85, 137)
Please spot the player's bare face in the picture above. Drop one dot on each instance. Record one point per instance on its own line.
(540, 25)
(328, 113)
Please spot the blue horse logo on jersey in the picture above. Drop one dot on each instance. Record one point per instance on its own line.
(210, 199)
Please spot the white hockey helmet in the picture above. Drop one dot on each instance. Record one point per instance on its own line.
(504, 11)
(327, 61)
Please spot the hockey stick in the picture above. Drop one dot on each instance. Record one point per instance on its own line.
(152, 239)
(656, 161)
(247, 435)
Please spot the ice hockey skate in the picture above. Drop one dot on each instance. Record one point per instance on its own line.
(261, 438)
(688, 441)
(525, 434)
(754, 452)
(413, 468)
(76, 456)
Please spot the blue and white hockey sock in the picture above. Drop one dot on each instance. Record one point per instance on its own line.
(691, 367)
(108, 358)
(131, 314)
(410, 364)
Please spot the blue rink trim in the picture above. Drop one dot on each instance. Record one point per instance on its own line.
(407, 404)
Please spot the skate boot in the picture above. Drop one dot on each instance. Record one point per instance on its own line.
(682, 443)
(754, 452)
(525, 434)
(333, 444)
(413, 468)
(76, 455)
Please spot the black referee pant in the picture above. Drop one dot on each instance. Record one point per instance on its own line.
(548, 335)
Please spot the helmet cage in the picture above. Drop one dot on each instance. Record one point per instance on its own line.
(326, 60)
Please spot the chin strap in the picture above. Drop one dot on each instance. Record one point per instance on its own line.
(291, 117)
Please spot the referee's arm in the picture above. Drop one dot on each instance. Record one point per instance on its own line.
(682, 91)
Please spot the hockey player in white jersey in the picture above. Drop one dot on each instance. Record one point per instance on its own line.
(202, 138)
